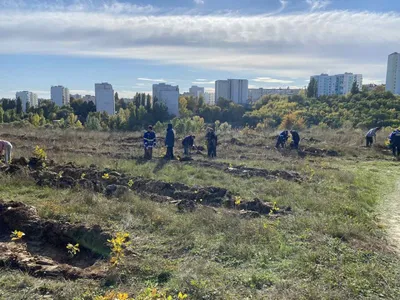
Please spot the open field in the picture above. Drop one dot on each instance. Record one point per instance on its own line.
(319, 229)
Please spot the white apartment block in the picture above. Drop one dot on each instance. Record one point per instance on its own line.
(196, 91)
(393, 74)
(222, 89)
(59, 95)
(236, 90)
(209, 98)
(340, 84)
(256, 94)
(105, 101)
(27, 97)
(169, 95)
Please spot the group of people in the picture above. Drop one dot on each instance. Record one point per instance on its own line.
(283, 137)
(188, 143)
(394, 139)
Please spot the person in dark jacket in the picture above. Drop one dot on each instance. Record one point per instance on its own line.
(295, 139)
(212, 141)
(149, 141)
(188, 143)
(282, 139)
(170, 142)
(395, 142)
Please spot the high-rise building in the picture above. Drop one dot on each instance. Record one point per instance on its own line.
(169, 95)
(236, 90)
(239, 90)
(256, 94)
(209, 98)
(393, 73)
(27, 97)
(60, 95)
(340, 84)
(222, 89)
(196, 91)
(105, 101)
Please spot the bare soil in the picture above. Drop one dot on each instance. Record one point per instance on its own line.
(42, 251)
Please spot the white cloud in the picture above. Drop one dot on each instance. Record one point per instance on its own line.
(288, 46)
(151, 79)
(203, 82)
(271, 80)
(372, 80)
(318, 4)
(198, 1)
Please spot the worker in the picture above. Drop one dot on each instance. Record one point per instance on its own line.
(295, 139)
(170, 142)
(188, 143)
(149, 141)
(212, 141)
(7, 148)
(371, 136)
(395, 142)
(282, 139)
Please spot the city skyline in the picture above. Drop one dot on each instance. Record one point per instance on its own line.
(273, 43)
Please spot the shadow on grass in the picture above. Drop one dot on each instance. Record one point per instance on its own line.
(160, 165)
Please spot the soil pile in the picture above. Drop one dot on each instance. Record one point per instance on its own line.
(115, 184)
(42, 251)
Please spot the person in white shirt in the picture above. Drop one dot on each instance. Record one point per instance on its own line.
(6, 147)
(371, 136)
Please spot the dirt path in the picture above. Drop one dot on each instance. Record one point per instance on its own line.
(392, 217)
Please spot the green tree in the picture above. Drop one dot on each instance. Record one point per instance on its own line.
(93, 123)
(1, 115)
(354, 89)
(19, 106)
(312, 89)
(35, 120)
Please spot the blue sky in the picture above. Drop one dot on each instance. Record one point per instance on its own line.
(133, 44)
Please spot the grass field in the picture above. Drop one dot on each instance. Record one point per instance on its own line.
(335, 243)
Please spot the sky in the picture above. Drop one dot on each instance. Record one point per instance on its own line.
(134, 44)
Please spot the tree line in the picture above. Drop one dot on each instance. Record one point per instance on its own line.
(357, 109)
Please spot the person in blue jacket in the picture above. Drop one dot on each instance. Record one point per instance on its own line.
(394, 138)
(282, 139)
(149, 141)
(170, 142)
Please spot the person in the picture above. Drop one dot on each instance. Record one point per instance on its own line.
(395, 142)
(170, 142)
(7, 148)
(282, 139)
(149, 141)
(371, 135)
(187, 143)
(295, 139)
(212, 141)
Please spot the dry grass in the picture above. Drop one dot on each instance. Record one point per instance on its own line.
(331, 247)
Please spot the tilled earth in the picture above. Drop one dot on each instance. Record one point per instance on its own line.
(42, 251)
(115, 184)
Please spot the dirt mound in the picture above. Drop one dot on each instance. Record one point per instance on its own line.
(42, 251)
(243, 171)
(114, 184)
